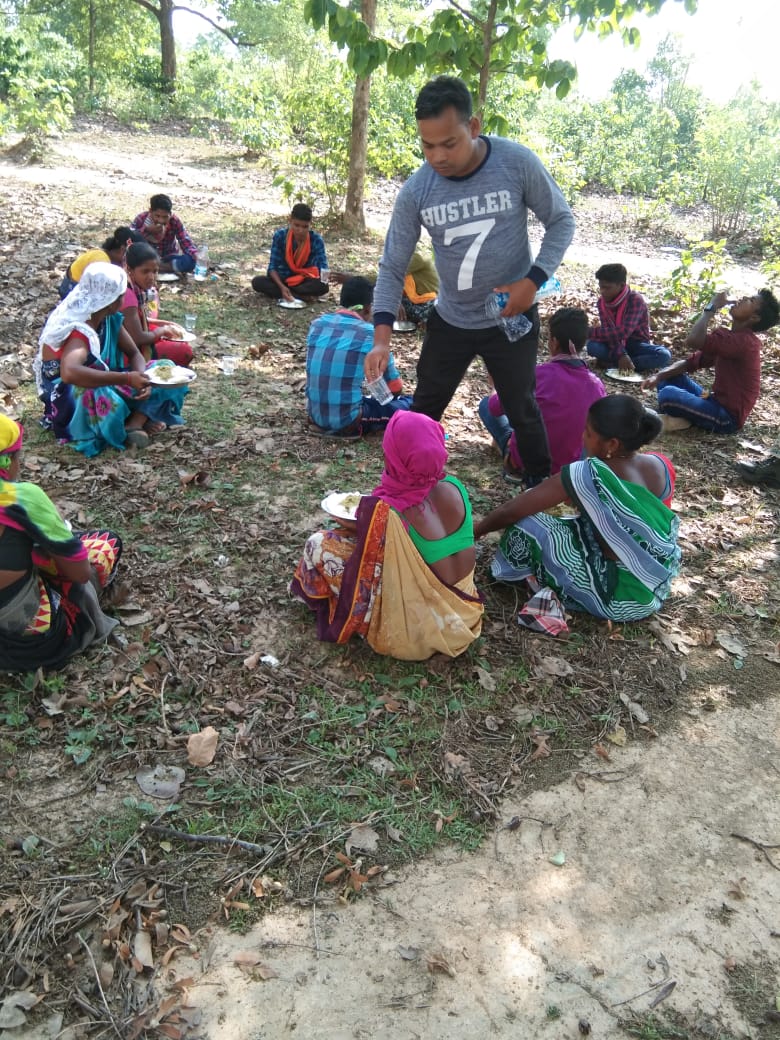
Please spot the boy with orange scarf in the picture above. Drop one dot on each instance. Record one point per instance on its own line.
(622, 337)
(296, 262)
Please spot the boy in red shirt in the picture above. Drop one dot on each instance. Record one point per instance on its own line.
(734, 353)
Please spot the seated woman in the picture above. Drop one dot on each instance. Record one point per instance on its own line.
(616, 560)
(154, 339)
(49, 577)
(405, 579)
(91, 401)
(112, 251)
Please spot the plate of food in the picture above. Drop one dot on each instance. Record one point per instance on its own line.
(624, 377)
(291, 305)
(341, 505)
(404, 326)
(167, 276)
(176, 331)
(171, 375)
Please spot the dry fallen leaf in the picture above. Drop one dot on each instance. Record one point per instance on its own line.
(618, 736)
(437, 962)
(363, 839)
(486, 680)
(251, 962)
(142, 949)
(201, 747)
(160, 781)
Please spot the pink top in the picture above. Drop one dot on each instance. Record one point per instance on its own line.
(565, 390)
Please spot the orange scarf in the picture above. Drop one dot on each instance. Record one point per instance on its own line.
(297, 259)
(410, 290)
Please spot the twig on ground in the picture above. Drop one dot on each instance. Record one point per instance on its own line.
(207, 839)
(636, 996)
(760, 845)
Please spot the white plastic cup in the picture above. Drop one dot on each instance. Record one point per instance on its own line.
(190, 321)
(380, 391)
(514, 327)
(229, 362)
(325, 275)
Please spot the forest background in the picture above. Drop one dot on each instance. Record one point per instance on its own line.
(324, 93)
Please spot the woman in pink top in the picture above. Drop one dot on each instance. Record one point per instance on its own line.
(565, 390)
(153, 339)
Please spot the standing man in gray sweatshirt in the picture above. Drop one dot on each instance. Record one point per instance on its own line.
(472, 195)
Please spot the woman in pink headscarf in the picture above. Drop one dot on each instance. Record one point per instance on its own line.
(404, 579)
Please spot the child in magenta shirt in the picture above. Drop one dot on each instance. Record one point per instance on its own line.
(565, 390)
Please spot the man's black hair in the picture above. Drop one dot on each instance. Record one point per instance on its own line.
(357, 292)
(616, 274)
(570, 325)
(301, 211)
(768, 313)
(162, 202)
(442, 93)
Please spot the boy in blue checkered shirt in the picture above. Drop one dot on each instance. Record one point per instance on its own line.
(337, 345)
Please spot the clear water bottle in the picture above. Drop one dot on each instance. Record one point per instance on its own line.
(202, 263)
(514, 327)
(152, 303)
(548, 288)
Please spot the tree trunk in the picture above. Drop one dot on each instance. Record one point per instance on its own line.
(167, 46)
(91, 54)
(487, 46)
(354, 217)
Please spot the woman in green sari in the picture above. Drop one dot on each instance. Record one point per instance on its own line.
(617, 558)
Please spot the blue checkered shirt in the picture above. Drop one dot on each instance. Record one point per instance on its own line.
(337, 345)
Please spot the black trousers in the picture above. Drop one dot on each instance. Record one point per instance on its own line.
(446, 354)
(308, 287)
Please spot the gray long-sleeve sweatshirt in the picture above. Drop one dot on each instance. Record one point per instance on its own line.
(479, 228)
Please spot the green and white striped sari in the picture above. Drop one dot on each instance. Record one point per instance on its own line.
(568, 554)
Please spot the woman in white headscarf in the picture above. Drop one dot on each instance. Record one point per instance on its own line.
(90, 401)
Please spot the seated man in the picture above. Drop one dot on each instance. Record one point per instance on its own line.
(622, 337)
(565, 390)
(297, 260)
(162, 229)
(736, 356)
(337, 346)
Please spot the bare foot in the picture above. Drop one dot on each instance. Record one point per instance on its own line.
(154, 427)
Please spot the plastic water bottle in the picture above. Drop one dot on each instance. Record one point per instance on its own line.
(201, 263)
(548, 288)
(152, 303)
(515, 327)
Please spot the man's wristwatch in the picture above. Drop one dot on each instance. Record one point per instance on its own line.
(709, 309)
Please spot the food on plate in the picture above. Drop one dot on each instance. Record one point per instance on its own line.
(350, 502)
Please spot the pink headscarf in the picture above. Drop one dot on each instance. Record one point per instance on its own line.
(415, 457)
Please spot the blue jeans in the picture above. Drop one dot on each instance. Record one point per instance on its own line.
(643, 355)
(375, 416)
(682, 396)
(496, 425)
(182, 263)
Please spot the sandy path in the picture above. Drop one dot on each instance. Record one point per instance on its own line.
(649, 865)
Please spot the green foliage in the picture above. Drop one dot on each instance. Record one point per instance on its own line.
(33, 102)
(738, 160)
(699, 275)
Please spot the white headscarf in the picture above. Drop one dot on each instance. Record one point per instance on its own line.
(100, 285)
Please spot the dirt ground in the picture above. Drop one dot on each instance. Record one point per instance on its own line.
(655, 890)
(631, 884)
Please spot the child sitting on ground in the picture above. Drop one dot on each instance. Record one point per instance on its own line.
(337, 346)
(735, 355)
(565, 390)
(297, 260)
(622, 337)
(162, 229)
